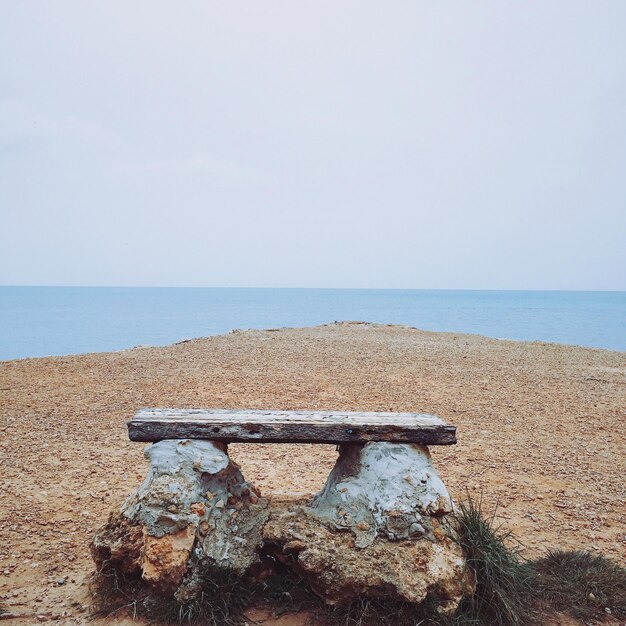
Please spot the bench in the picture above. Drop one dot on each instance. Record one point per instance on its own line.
(254, 426)
(195, 509)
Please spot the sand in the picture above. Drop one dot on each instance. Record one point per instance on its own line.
(540, 426)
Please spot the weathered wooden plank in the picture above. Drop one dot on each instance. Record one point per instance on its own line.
(289, 426)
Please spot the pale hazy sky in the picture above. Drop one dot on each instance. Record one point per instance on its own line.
(335, 144)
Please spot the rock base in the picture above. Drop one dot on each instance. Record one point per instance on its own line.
(194, 509)
(339, 572)
(377, 529)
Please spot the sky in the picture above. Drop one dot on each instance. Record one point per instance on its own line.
(417, 144)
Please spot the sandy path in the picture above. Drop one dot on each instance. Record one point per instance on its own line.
(541, 430)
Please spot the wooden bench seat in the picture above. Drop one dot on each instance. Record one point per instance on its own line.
(253, 426)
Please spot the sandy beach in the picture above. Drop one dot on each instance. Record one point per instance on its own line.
(540, 429)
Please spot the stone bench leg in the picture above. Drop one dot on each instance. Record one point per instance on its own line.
(193, 508)
(377, 528)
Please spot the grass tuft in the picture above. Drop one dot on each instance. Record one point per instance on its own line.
(113, 591)
(582, 584)
(503, 579)
(381, 612)
(223, 599)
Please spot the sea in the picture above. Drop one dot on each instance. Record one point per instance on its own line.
(43, 321)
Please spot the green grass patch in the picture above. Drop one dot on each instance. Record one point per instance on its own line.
(582, 584)
(503, 579)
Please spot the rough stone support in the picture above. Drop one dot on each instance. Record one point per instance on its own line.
(383, 489)
(377, 528)
(194, 508)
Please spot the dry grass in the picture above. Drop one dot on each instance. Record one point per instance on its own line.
(503, 581)
(222, 600)
(583, 584)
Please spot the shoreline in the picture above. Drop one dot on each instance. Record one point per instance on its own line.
(338, 323)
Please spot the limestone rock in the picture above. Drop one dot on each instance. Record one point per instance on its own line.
(193, 509)
(164, 559)
(382, 489)
(162, 504)
(339, 572)
(118, 543)
(377, 528)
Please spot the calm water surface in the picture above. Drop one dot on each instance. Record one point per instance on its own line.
(41, 321)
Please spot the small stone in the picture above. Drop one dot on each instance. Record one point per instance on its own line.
(60, 581)
(198, 508)
(219, 504)
(607, 610)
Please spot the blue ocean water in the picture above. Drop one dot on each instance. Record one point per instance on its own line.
(41, 321)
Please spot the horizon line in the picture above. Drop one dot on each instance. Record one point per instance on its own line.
(21, 286)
